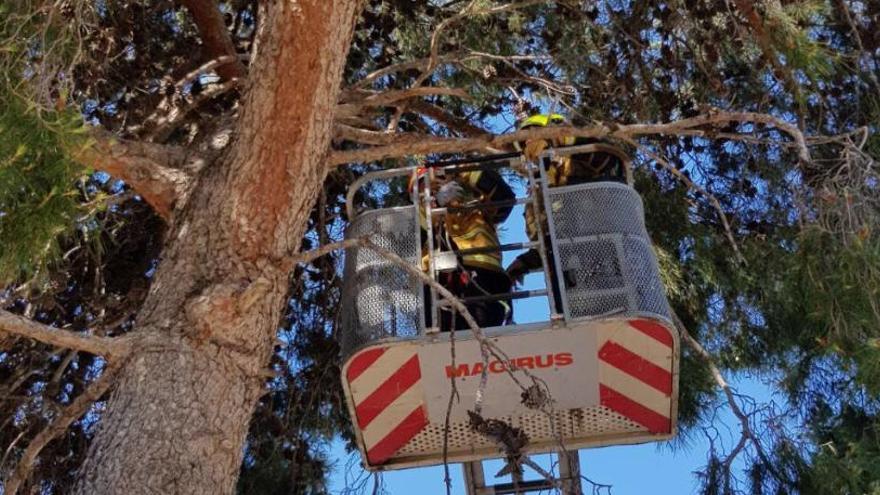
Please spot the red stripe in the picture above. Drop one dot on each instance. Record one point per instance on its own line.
(614, 400)
(637, 367)
(400, 436)
(362, 361)
(398, 383)
(654, 330)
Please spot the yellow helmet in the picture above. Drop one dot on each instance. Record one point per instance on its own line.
(544, 120)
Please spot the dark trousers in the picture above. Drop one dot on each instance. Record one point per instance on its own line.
(472, 282)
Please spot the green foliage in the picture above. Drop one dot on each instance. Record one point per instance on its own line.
(791, 37)
(38, 198)
(824, 299)
(39, 202)
(848, 456)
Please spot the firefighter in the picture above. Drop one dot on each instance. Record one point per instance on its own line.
(606, 163)
(478, 273)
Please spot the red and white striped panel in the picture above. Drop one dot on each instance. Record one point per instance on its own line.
(386, 388)
(635, 373)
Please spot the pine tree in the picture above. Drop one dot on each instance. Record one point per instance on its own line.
(161, 166)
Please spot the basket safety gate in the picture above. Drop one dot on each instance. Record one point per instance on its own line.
(611, 353)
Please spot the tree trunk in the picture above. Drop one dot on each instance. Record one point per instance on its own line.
(178, 418)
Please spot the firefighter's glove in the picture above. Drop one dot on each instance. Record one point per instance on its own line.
(517, 271)
(533, 149)
(449, 193)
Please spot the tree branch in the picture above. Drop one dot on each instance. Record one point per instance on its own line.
(403, 66)
(449, 58)
(386, 98)
(413, 144)
(215, 37)
(452, 122)
(364, 136)
(58, 426)
(108, 348)
(155, 171)
(165, 125)
(735, 408)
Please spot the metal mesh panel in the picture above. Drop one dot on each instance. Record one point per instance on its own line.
(604, 252)
(570, 426)
(380, 299)
(595, 209)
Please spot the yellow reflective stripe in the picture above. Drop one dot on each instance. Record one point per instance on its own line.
(481, 261)
(471, 178)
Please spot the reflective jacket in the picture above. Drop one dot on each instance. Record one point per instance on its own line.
(474, 228)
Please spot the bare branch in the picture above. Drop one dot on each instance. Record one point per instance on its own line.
(155, 171)
(215, 37)
(389, 97)
(450, 121)
(450, 58)
(403, 66)
(411, 144)
(205, 68)
(549, 85)
(101, 346)
(173, 107)
(364, 136)
(58, 426)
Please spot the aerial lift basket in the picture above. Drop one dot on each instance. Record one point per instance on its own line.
(609, 361)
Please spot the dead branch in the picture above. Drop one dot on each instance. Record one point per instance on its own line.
(205, 68)
(156, 172)
(549, 85)
(170, 105)
(703, 125)
(453, 396)
(58, 426)
(431, 63)
(110, 349)
(215, 37)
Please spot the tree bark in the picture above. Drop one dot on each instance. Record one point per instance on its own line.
(178, 417)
